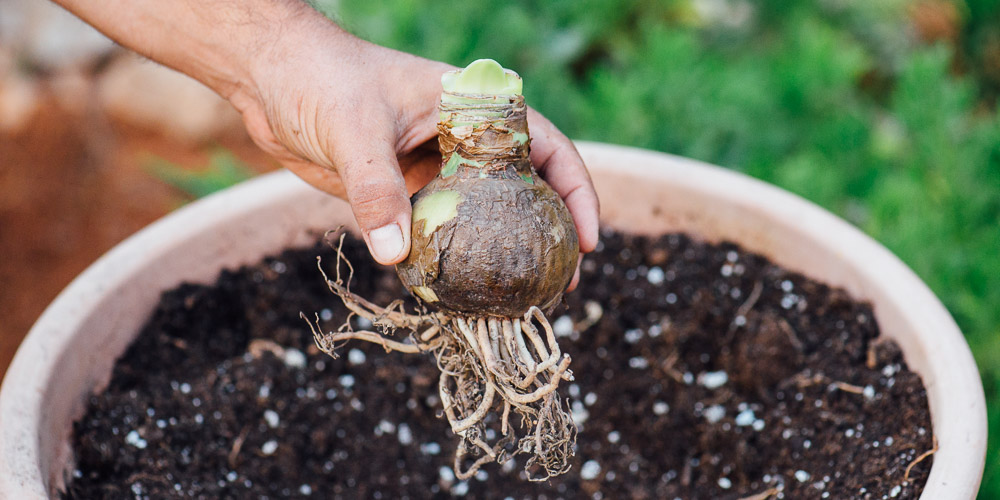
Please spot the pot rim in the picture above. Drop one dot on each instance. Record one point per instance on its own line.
(958, 416)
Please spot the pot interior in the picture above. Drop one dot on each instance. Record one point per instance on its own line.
(641, 192)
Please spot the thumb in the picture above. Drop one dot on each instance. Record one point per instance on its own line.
(377, 192)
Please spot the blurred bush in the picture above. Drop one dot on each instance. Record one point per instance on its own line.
(222, 170)
(883, 112)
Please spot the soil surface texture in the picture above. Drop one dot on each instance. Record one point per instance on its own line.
(702, 372)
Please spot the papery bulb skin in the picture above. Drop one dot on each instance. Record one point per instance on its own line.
(489, 236)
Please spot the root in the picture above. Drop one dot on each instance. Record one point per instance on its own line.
(555, 436)
(480, 358)
(764, 495)
(459, 426)
(328, 342)
(924, 455)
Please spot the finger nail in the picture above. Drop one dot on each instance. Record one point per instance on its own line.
(386, 242)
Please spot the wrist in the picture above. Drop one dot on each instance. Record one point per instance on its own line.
(297, 47)
(254, 51)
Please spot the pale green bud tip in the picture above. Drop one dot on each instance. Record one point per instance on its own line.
(482, 76)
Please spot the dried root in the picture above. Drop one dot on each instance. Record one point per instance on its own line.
(489, 366)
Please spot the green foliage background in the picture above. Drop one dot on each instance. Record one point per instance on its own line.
(835, 100)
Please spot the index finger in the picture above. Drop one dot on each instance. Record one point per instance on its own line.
(558, 161)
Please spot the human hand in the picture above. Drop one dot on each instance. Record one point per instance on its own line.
(359, 121)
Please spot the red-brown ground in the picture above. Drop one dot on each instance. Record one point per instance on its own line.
(72, 185)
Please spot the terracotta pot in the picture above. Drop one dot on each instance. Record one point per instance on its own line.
(70, 351)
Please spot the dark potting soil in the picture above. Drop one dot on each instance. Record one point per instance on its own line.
(710, 373)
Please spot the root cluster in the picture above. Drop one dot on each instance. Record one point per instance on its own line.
(498, 378)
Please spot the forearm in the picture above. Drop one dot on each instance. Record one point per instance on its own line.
(218, 42)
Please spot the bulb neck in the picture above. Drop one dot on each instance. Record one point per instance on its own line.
(483, 134)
